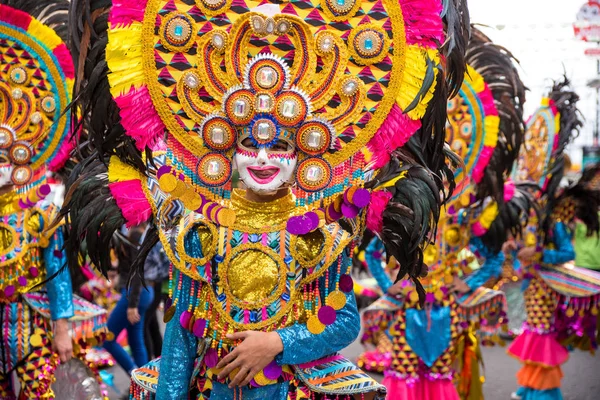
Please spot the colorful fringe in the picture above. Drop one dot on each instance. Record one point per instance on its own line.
(421, 389)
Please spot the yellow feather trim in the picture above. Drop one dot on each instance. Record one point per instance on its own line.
(415, 69)
(124, 52)
(488, 215)
(492, 126)
(47, 35)
(118, 171)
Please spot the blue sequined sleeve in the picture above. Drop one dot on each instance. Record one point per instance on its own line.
(179, 344)
(301, 346)
(564, 251)
(59, 288)
(373, 257)
(178, 352)
(492, 267)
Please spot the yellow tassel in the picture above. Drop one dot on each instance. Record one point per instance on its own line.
(118, 171)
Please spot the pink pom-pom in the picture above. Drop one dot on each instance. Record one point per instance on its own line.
(379, 201)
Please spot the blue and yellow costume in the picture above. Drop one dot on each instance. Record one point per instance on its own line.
(36, 79)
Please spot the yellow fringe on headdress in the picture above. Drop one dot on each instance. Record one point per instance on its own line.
(415, 69)
(488, 215)
(39, 30)
(118, 171)
(124, 50)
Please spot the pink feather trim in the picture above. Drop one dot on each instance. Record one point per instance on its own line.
(124, 12)
(62, 155)
(140, 119)
(131, 200)
(509, 190)
(484, 159)
(423, 24)
(487, 100)
(393, 133)
(14, 17)
(478, 229)
(379, 201)
(65, 60)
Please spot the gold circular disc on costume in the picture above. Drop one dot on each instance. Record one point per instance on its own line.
(168, 183)
(315, 326)
(413, 296)
(336, 300)
(35, 340)
(254, 275)
(169, 313)
(110, 336)
(262, 380)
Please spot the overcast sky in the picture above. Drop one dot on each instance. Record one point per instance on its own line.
(540, 34)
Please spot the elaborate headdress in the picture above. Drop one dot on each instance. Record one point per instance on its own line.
(486, 128)
(37, 77)
(356, 87)
(549, 130)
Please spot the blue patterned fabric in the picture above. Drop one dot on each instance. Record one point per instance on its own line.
(428, 332)
(373, 258)
(564, 251)
(271, 392)
(492, 267)
(60, 290)
(532, 394)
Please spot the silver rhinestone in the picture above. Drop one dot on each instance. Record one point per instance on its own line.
(17, 94)
(191, 80)
(36, 118)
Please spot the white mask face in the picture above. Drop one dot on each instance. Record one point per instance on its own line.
(265, 170)
(6, 169)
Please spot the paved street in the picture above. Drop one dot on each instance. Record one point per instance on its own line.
(581, 382)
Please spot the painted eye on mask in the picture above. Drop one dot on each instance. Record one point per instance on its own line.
(281, 146)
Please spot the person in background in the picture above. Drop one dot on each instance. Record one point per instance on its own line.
(156, 272)
(130, 311)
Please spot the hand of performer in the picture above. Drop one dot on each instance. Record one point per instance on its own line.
(62, 343)
(459, 286)
(527, 254)
(509, 246)
(133, 315)
(396, 288)
(254, 353)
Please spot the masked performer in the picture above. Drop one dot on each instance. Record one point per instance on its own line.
(485, 128)
(38, 314)
(561, 301)
(289, 95)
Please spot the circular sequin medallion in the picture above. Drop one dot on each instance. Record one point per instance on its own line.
(36, 118)
(291, 108)
(218, 134)
(340, 10)
(314, 137)
(264, 131)
(191, 80)
(267, 73)
(313, 174)
(21, 175)
(325, 42)
(239, 107)
(6, 138)
(18, 75)
(20, 153)
(264, 102)
(176, 31)
(350, 86)
(219, 40)
(17, 94)
(368, 44)
(214, 169)
(48, 104)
